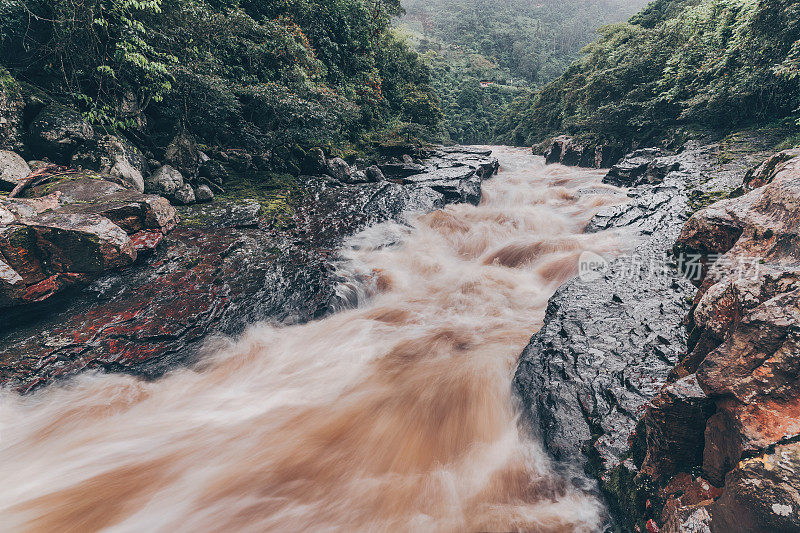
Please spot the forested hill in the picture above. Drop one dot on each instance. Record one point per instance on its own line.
(676, 67)
(266, 76)
(511, 45)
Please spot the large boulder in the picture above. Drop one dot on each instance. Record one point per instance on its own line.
(13, 169)
(570, 152)
(57, 132)
(184, 195)
(566, 151)
(71, 229)
(339, 169)
(203, 194)
(12, 106)
(642, 167)
(114, 157)
(182, 153)
(744, 353)
(165, 181)
(374, 174)
(397, 170)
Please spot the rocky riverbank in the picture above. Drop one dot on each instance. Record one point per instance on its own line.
(227, 264)
(681, 402)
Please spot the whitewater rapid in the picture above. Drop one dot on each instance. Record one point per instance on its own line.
(395, 416)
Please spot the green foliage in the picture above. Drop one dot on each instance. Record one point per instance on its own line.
(516, 44)
(717, 63)
(97, 50)
(252, 74)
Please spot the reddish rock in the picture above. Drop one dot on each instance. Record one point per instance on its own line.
(760, 176)
(761, 494)
(146, 240)
(225, 269)
(745, 355)
(71, 228)
(80, 243)
(17, 246)
(674, 426)
(50, 286)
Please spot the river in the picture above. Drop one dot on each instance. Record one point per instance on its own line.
(394, 416)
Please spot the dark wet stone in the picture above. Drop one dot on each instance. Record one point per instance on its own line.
(609, 345)
(646, 166)
(57, 132)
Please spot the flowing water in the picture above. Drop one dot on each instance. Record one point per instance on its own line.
(396, 416)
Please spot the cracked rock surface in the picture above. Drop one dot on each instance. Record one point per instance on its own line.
(610, 343)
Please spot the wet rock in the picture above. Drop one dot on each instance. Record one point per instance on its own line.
(184, 195)
(213, 171)
(745, 354)
(649, 165)
(358, 176)
(686, 510)
(73, 229)
(181, 154)
(761, 494)
(204, 194)
(165, 181)
(606, 155)
(81, 243)
(339, 169)
(608, 346)
(13, 169)
(114, 157)
(570, 152)
(128, 209)
(674, 425)
(401, 170)
(763, 174)
(57, 132)
(461, 151)
(566, 151)
(374, 174)
(457, 184)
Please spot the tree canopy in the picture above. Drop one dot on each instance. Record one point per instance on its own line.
(717, 63)
(252, 74)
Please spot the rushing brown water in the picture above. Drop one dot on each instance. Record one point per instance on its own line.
(397, 416)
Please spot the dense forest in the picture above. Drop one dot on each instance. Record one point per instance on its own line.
(270, 77)
(278, 77)
(676, 66)
(513, 46)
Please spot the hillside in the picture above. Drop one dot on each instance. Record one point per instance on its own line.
(270, 77)
(514, 45)
(678, 66)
